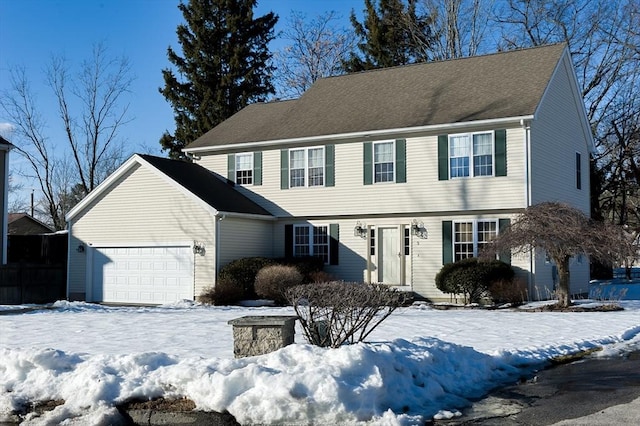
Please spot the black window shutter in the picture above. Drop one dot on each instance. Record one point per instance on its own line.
(334, 243)
(257, 168)
(231, 167)
(443, 157)
(501, 152)
(401, 160)
(368, 163)
(284, 169)
(578, 171)
(447, 242)
(505, 256)
(288, 241)
(329, 165)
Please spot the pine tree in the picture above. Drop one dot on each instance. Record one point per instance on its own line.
(224, 68)
(391, 34)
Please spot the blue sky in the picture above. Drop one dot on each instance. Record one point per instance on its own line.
(33, 30)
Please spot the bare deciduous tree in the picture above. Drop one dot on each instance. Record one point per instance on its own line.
(316, 49)
(334, 313)
(91, 110)
(562, 232)
(459, 26)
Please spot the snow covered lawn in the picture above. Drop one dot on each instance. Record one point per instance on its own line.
(420, 363)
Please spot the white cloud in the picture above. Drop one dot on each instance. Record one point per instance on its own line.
(6, 130)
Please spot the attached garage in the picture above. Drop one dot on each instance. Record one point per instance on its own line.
(151, 233)
(151, 274)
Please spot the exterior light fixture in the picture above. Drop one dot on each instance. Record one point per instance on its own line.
(418, 229)
(360, 230)
(198, 248)
(80, 248)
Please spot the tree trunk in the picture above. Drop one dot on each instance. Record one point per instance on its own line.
(563, 283)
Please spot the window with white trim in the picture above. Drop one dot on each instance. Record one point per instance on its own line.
(471, 155)
(470, 237)
(309, 240)
(383, 162)
(244, 168)
(306, 167)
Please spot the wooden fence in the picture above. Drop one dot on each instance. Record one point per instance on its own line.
(32, 283)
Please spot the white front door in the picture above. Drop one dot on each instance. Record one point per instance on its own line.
(389, 255)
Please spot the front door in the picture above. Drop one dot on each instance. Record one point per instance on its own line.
(389, 255)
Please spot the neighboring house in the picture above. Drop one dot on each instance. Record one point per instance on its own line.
(24, 224)
(385, 174)
(5, 147)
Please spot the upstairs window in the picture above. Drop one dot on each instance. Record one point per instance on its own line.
(306, 167)
(383, 162)
(471, 155)
(244, 169)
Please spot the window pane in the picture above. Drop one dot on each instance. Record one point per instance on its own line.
(482, 155)
(321, 243)
(316, 167)
(296, 168)
(301, 241)
(459, 153)
(383, 162)
(244, 169)
(463, 240)
(487, 231)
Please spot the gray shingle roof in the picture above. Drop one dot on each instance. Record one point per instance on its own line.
(206, 185)
(499, 85)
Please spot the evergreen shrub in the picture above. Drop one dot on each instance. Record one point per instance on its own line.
(472, 277)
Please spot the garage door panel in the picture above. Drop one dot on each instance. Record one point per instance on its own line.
(159, 274)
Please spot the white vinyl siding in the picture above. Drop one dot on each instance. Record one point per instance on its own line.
(421, 192)
(557, 136)
(137, 212)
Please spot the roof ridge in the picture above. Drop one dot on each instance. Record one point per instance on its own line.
(439, 61)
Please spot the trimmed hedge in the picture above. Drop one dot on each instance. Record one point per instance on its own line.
(472, 277)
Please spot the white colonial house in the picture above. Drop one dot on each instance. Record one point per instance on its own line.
(385, 174)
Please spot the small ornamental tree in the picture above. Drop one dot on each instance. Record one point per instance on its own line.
(334, 313)
(561, 231)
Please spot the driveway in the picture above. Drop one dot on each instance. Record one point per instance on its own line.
(593, 391)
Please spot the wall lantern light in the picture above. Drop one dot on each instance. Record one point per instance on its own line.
(198, 248)
(418, 229)
(360, 230)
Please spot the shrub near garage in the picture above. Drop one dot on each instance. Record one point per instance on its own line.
(472, 277)
(241, 273)
(273, 281)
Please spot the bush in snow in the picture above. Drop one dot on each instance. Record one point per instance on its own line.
(308, 266)
(241, 274)
(272, 282)
(226, 292)
(472, 277)
(508, 291)
(334, 313)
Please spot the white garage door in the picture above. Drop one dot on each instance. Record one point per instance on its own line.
(152, 275)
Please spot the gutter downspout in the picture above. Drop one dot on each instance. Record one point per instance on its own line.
(526, 126)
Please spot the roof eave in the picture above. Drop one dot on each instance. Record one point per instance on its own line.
(362, 135)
